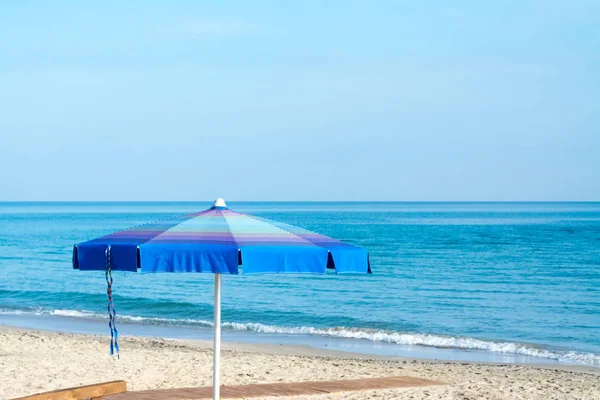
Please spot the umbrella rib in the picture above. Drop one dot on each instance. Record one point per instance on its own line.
(269, 222)
(275, 223)
(186, 218)
(232, 236)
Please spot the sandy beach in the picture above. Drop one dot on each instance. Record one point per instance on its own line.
(34, 361)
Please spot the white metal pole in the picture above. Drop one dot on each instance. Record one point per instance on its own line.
(217, 339)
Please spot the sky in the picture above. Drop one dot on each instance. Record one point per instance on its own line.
(300, 100)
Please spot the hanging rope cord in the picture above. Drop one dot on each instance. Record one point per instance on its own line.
(112, 313)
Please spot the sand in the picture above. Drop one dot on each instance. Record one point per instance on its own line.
(34, 361)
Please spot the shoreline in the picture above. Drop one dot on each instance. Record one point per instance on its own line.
(361, 347)
(34, 361)
(304, 351)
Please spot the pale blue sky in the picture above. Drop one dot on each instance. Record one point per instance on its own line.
(304, 100)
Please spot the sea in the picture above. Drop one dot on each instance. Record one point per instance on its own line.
(500, 282)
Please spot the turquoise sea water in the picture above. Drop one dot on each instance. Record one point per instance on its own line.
(497, 279)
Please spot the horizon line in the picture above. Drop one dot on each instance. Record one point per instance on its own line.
(293, 201)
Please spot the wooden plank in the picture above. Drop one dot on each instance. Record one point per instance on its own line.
(83, 392)
(276, 389)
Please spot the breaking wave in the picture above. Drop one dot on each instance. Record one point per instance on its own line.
(383, 336)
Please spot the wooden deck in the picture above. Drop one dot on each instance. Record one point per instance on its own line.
(83, 392)
(276, 389)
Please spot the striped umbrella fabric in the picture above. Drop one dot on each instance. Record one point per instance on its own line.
(220, 241)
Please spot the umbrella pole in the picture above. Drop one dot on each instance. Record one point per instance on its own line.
(217, 339)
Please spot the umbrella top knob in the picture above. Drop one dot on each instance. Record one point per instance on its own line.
(219, 203)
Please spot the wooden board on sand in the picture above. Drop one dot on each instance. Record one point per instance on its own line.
(276, 389)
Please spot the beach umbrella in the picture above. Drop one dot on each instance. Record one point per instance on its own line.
(219, 241)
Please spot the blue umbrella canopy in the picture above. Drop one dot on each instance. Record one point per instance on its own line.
(218, 241)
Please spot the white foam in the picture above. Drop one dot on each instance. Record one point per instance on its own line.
(416, 339)
(15, 312)
(73, 313)
(400, 338)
